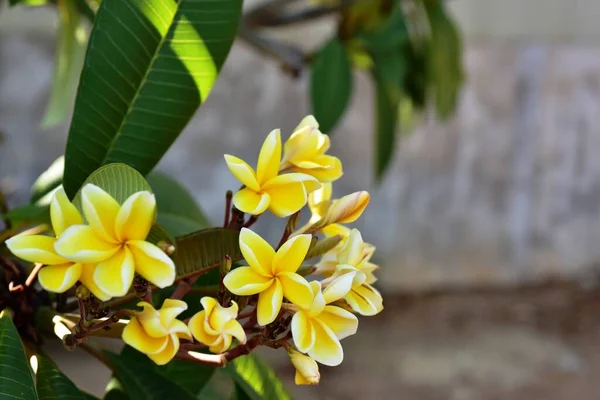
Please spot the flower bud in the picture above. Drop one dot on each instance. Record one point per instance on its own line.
(307, 370)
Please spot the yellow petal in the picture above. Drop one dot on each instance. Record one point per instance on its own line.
(339, 287)
(341, 322)
(180, 329)
(220, 316)
(152, 263)
(59, 278)
(330, 174)
(168, 352)
(244, 281)
(352, 251)
(301, 146)
(251, 202)
(135, 336)
(269, 157)
(221, 345)
(100, 210)
(269, 303)
(115, 275)
(208, 304)
(321, 195)
(365, 300)
(302, 331)
(234, 328)
(63, 214)
(307, 370)
(80, 243)
(35, 249)
(257, 252)
(196, 325)
(327, 349)
(350, 207)
(170, 310)
(296, 289)
(318, 300)
(242, 171)
(287, 196)
(336, 229)
(87, 279)
(150, 320)
(291, 254)
(136, 216)
(310, 121)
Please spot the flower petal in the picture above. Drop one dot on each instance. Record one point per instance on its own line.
(168, 352)
(149, 317)
(339, 287)
(302, 331)
(36, 249)
(59, 278)
(100, 210)
(135, 336)
(352, 251)
(287, 197)
(196, 325)
(222, 345)
(87, 279)
(310, 121)
(296, 289)
(301, 146)
(336, 229)
(269, 303)
(269, 157)
(341, 322)
(170, 310)
(152, 263)
(242, 171)
(63, 214)
(330, 174)
(251, 202)
(180, 329)
(365, 300)
(321, 195)
(351, 207)
(327, 349)
(307, 370)
(80, 243)
(257, 252)
(220, 316)
(136, 216)
(244, 281)
(115, 275)
(234, 328)
(291, 254)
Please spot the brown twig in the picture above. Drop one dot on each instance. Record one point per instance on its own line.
(228, 197)
(33, 275)
(220, 360)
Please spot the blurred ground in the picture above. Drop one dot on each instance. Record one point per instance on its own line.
(529, 343)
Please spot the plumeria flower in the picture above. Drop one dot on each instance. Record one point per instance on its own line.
(307, 369)
(216, 326)
(318, 329)
(115, 241)
(265, 189)
(353, 276)
(272, 275)
(60, 273)
(305, 152)
(157, 332)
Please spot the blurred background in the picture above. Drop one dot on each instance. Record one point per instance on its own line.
(487, 225)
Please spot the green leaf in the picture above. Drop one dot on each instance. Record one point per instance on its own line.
(30, 213)
(205, 249)
(445, 65)
(390, 37)
(53, 384)
(257, 379)
(239, 393)
(148, 67)
(142, 383)
(28, 2)
(16, 381)
(115, 390)
(118, 180)
(331, 84)
(48, 182)
(67, 63)
(323, 246)
(178, 212)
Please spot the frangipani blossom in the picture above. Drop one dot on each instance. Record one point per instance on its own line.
(307, 369)
(272, 275)
(353, 276)
(216, 326)
(157, 332)
(305, 150)
(115, 241)
(318, 329)
(59, 273)
(265, 189)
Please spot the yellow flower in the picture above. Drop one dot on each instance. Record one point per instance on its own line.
(353, 275)
(157, 332)
(307, 370)
(115, 241)
(271, 274)
(283, 194)
(305, 150)
(318, 329)
(215, 326)
(59, 273)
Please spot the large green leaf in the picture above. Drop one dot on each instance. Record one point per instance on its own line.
(16, 381)
(148, 67)
(205, 249)
(257, 379)
(178, 212)
(331, 84)
(144, 383)
(53, 384)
